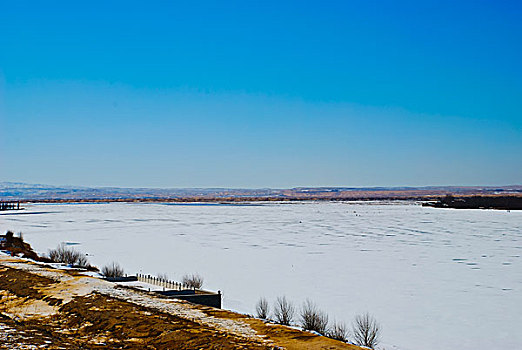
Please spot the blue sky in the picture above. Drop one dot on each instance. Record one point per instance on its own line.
(261, 94)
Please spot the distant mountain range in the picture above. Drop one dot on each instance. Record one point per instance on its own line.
(38, 192)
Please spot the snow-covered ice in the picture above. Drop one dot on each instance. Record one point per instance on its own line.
(434, 278)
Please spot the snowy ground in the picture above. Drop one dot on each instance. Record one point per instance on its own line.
(434, 278)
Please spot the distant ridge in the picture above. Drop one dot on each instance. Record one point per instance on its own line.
(39, 192)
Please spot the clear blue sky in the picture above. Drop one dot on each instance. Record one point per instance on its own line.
(261, 94)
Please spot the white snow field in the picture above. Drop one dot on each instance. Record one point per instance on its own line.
(434, 278)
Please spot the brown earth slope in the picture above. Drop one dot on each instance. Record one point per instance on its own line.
(41, 307)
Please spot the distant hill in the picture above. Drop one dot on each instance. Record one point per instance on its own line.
(38, 192)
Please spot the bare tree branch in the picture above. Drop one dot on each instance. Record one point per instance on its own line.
(312, 318)
(112, 270)
(339, 331)
(262, 309)
(193, 281)
(283, 311)
(366, 331)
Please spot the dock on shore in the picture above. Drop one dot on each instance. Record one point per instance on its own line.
(10, 205)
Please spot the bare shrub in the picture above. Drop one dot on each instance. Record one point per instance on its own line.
(262, 309)
(283, 311)
(194, 281)
(162, 276)
(338, 331)
(366, 331)
(67, 255)
(313, 319)
(81, 261)
(112, 270)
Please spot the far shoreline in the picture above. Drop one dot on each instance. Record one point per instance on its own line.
(498, 202)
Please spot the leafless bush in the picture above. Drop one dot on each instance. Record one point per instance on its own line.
(112, 270)
(162, 276)
(338, 331)
(194, 281)
(69, 256)
(262, 309)
(366, 331)
(283, 311)
(82, 261)
(313, 319)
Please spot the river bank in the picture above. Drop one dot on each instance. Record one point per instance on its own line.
(54, 308)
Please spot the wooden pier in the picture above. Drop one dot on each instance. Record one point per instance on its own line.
(12, 205)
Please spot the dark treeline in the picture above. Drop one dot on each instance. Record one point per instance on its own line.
(479, 202)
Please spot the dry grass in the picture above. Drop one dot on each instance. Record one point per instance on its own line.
(98, 321)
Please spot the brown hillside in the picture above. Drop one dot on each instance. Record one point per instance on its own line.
(52, 309)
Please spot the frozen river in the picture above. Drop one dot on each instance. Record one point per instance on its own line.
(434, 278)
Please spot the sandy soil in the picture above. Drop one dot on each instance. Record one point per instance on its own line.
(47, 308)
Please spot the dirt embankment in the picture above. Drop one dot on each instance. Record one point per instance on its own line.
(42, 307)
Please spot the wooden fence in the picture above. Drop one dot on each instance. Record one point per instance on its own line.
(162, 282)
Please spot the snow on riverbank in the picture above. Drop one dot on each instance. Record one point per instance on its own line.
(436, 277)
